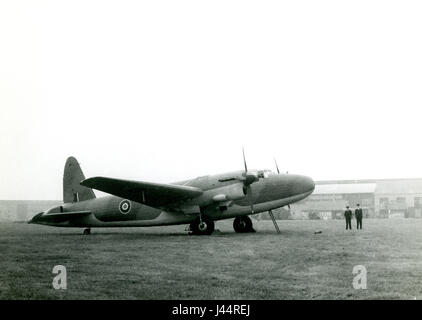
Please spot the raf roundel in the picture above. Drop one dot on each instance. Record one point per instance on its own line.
(124, 206)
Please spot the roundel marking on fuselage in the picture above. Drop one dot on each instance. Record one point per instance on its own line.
(125, 206)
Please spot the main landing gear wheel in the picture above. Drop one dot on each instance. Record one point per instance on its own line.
(204, 226)
(243, 224)
(87, 231)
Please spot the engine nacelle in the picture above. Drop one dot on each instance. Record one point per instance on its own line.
(229, 193)
(213, 196)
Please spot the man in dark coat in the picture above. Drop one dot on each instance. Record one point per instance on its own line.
(348, 216)
(358, 216)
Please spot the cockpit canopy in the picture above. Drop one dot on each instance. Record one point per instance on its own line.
(263, 174)
(58, 209)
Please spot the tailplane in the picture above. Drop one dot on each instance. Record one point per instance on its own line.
(72, 190)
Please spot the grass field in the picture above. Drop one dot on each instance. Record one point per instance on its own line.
(166, 263)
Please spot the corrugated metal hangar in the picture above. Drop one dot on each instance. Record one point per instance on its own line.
(383, 198)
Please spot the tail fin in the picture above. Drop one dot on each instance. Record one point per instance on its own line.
(72, 190)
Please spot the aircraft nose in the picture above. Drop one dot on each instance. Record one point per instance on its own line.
(36, 218)
(302, 184)
(308, 184)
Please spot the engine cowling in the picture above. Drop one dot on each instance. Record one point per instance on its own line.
(229, 193)
(218, 195)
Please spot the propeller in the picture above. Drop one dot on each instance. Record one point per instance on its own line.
(248, 179)
(244, 160)
(278, 171)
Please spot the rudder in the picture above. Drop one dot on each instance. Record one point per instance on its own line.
(72, 190)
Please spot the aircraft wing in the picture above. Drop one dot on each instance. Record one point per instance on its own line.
(156, 195)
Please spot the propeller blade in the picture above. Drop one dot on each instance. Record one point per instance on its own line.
(248, 179)
(250, 197)
(278, 171)
(244, 160)
(228, 179)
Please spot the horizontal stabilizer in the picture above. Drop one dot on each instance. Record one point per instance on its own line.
(156, 195)
(58, 217)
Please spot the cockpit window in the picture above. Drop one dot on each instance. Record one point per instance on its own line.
(55, 210)
(263, 174)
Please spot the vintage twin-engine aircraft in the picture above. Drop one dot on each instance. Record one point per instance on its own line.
(198, 202)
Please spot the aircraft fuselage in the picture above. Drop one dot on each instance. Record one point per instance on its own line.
(270, 192)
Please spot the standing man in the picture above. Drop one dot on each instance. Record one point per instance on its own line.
(348, 216)
(359, 216)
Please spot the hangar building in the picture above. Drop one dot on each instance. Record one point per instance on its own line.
(382, 198)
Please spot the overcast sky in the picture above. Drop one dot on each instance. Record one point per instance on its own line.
(169, 90)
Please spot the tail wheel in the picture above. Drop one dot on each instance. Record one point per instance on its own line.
(204, 227)
(243, 224)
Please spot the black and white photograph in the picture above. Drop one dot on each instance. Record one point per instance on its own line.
(218, 151)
